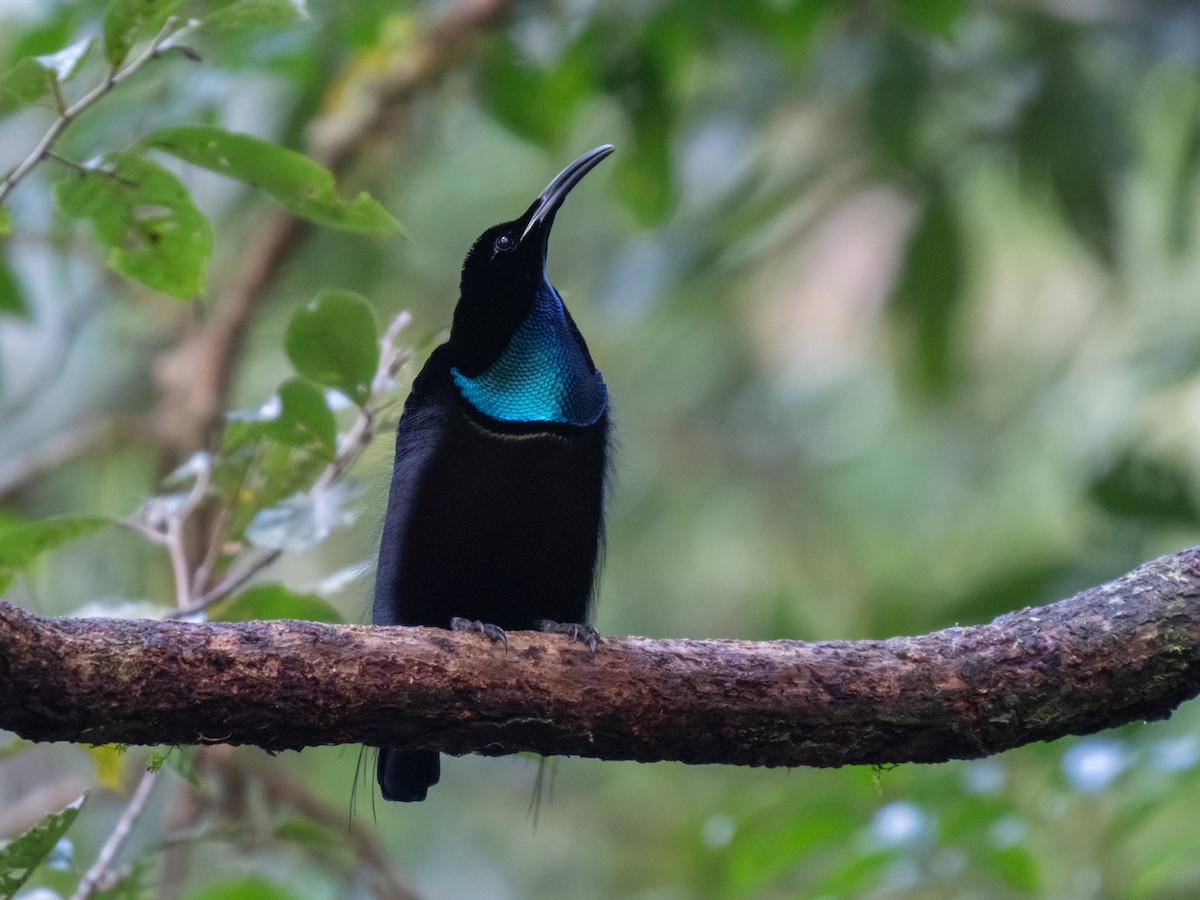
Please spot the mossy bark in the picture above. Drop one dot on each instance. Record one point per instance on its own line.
(1120, 652)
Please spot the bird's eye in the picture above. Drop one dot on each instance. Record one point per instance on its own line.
(503, 243)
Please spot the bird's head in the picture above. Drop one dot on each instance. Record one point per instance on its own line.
(505, 271)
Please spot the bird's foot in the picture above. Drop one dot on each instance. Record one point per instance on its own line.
(576, 631)
(493, 633)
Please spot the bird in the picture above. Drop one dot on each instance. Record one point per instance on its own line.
(495, 512)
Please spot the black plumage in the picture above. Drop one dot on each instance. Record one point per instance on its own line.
(495, 511)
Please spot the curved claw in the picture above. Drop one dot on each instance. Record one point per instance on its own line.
(493, 633)
(576, 631)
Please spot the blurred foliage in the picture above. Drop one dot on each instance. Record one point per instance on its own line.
(896, 304)
(273, 601)
(21, 856)
(332, 341)
(22, 541)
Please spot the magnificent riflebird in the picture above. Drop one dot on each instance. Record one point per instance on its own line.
(495, 512)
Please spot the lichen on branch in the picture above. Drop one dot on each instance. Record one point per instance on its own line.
(1116, 653)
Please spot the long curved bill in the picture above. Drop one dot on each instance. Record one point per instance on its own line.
(556, 191)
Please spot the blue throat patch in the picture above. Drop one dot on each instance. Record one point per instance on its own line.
(542, 375)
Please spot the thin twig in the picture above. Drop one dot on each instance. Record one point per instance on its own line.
(216, 541)
(232, 582)
(95, 876)
(60, 104)
(68, 115)
(167, 530)
(90, 170)
(174, 533)
(150, 534)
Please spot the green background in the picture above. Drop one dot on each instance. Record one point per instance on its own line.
(896, 302)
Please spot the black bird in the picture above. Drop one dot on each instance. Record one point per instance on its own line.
(495, 513)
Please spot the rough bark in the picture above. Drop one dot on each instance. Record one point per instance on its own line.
(1112, 654)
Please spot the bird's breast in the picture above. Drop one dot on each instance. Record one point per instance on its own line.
(542, 375)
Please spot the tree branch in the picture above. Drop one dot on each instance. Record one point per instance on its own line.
(67, 115)
(1113, 654)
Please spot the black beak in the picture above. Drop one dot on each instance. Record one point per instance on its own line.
(541, 214)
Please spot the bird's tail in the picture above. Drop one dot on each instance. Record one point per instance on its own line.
(407, 774)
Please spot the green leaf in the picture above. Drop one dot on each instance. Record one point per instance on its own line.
(929, 291)
(23, 540)
(901, 81)
(1016, 867)
(1141, 486)
(1074, 142)
(253, 472)
(47, 32)
(64, 64)
(648, 76)
(763, 851)
(256, 14)
(938, 16)
(126, 21)
(26, 82)
(106, 763)
(534, 103)
(5, 221)
(246, 889)
(334, 341)
(789, 27)
(12, 302)
(154, 762)
(305, 519)
(303, 830)
(303, 187)
(854, 875)
(274, 601)
(33, 78)
(304, 419)
(20, 856)
(642, 177)
(180, 760)
(41, 55)
(146, 216)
